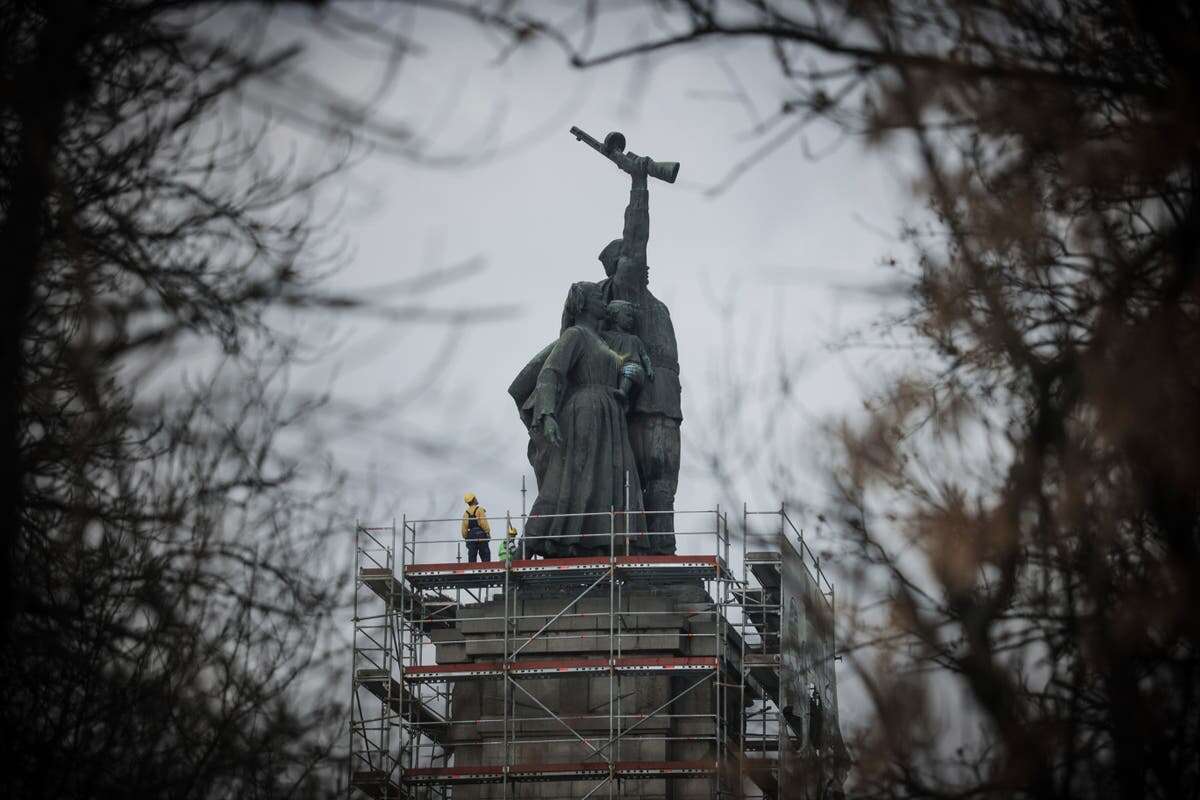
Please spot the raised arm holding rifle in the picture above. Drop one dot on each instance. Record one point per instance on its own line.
(655, 417)
(624, 259)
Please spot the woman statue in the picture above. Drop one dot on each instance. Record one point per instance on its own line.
(578, 425)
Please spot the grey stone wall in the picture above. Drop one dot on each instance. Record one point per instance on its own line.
(673, 620)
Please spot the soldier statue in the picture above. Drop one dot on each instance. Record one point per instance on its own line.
(654, 414)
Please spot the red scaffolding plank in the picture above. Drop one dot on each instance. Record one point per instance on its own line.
(575, 771)
(558, 564)
(491, 573)
(556, 666)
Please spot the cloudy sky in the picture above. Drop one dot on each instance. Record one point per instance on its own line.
(773, 262)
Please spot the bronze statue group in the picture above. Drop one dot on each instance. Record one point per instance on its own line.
(601, 404)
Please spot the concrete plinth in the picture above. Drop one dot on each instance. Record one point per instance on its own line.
(667, 620)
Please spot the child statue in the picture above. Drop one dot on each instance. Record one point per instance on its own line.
(620, 336)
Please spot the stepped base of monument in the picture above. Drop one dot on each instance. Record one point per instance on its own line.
(581, 678)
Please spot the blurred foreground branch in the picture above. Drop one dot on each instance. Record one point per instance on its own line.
(167, 595)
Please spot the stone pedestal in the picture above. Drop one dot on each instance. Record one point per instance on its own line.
(669, 620)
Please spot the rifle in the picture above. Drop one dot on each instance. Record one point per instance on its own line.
(613, 148)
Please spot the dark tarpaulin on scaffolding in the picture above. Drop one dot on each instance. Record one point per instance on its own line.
(817, 761)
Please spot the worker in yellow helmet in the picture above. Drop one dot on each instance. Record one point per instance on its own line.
(476, 530)
(508, 547)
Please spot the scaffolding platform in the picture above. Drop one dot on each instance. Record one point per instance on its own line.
(765, 565)
(405, 704)
(429, 612)
(550, 668)
(454, 575)
(574, 771)
(377, 784)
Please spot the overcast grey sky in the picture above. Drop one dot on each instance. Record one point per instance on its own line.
(778, 267)
(782, 246)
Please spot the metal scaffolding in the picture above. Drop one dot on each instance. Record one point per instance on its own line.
(721, 726)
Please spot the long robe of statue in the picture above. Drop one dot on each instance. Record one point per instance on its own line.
(581, 466)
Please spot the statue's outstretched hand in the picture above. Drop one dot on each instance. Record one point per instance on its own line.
(550, 430)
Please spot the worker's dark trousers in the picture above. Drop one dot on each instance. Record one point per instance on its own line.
(478, 550)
